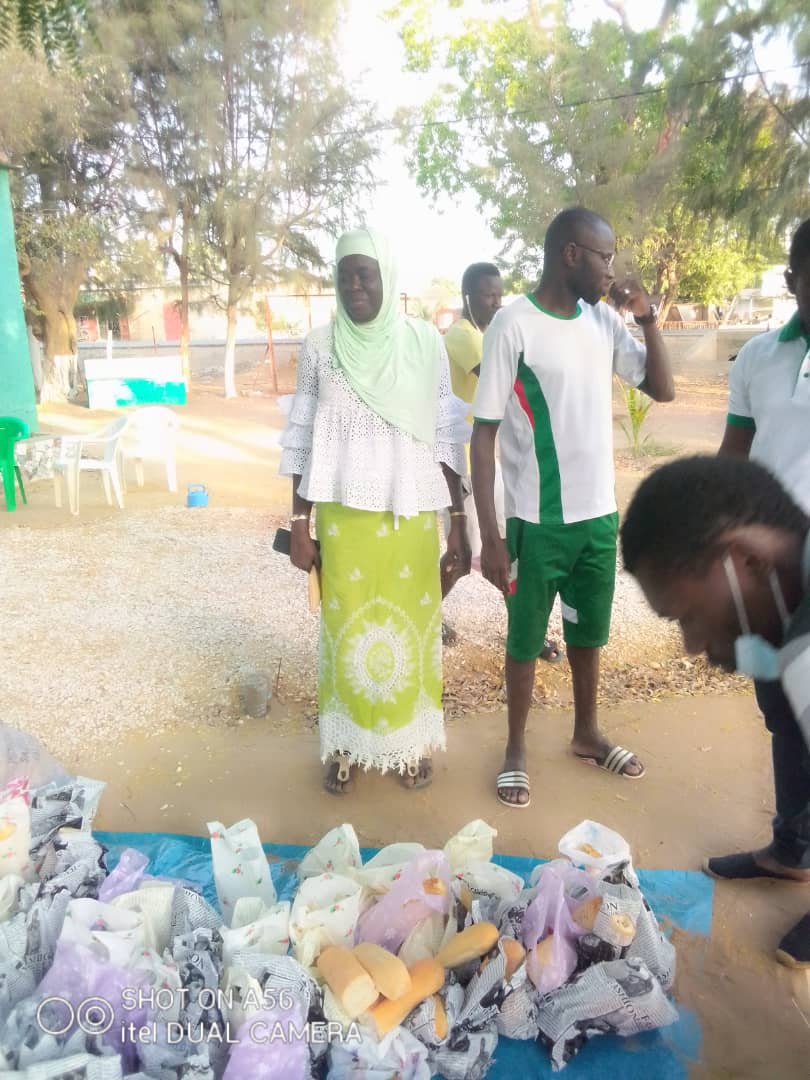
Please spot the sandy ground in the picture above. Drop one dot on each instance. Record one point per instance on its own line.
(707, 790)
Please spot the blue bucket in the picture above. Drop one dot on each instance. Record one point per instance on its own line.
(197, 495)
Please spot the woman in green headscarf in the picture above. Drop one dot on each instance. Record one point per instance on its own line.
(375, 440)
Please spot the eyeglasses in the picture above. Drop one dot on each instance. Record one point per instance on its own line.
(608, 257)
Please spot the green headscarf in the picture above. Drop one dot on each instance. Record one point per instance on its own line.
(391, 362)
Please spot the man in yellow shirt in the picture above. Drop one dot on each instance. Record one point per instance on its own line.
(482, 293)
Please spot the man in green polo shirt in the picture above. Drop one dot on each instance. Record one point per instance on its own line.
(769, 421)
(545, 388)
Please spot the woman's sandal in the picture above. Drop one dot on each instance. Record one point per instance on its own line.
(342, 776)
(414, 771)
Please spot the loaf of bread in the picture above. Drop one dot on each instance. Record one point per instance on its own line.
(351, 984)
(468, 944)
(434, 886)
(585, 914)
(589, 849)
(389, 974)
(427, 978)
(515, 955)
(440, 1022)
(622, 930)
(544, 951)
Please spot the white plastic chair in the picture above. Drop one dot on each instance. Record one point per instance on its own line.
(152, 435)
(73, 460)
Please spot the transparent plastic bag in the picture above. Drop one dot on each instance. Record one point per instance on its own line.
(472, 843)
(548, 920)
(23, 755)
(422, 890)
(595, 848)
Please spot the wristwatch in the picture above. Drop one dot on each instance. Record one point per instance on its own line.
(650, 317)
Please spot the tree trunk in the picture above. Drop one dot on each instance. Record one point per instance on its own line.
(60, 352)
(230, 352)
(53, 290)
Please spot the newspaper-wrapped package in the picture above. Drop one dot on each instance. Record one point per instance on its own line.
(621, 997)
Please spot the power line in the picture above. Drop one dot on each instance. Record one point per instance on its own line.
(645, 91)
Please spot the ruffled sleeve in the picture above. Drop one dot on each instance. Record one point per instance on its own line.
(300, 409)
(452, 430)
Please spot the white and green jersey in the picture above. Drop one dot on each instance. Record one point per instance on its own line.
(548, 380)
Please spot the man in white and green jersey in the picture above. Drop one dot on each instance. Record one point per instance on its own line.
(545, 388)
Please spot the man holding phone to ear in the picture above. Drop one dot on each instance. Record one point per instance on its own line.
(546, 390)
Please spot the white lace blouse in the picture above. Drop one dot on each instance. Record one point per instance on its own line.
(346, 453)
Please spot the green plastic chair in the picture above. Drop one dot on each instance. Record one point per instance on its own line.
(11, 431)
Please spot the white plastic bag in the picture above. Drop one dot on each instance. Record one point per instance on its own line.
(256, 928)
(112, 934)
(240, 865)
(595, 848)
(154, 904)
(473, 843)
(15, 838)
(336, 853)
(489, 879)
(386, 867)
(324, 912)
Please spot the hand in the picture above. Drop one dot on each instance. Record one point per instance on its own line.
(457, 560)
(304, 552)
(629, 295)
(495, 563)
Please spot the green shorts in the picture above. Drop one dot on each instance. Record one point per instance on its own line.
(578, 561)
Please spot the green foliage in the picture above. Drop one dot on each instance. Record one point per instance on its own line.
(698, 169)
(53, 27)
(638, 406)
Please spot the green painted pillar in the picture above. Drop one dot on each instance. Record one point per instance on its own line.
(17, 394)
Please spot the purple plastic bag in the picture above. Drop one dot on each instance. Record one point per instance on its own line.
(549, 914)
(271, 1045)
(391, 919)
(126, 877)
(77, 975)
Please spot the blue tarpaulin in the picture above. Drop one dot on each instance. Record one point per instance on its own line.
(680, 897)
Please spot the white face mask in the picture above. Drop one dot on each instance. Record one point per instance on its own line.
(753, 655)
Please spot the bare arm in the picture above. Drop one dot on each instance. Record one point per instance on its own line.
(658, 382)
(454, 487)
(736, 441)
(494, 554)
(303, 551)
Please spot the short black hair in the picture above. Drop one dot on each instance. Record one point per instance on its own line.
(473, 274)
(800, 247)
(679, 513)
(569, 225)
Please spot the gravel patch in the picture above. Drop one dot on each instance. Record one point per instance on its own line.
(149, 620)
